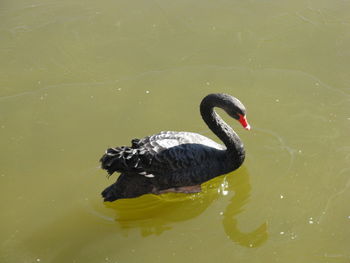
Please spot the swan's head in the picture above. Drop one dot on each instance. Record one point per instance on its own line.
(233, 107)
(236, 110)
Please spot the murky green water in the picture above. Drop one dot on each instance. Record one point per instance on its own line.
(78, 76)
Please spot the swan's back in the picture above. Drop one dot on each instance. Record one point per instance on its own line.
(168, 139)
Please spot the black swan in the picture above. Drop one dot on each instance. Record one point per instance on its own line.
(177, 161)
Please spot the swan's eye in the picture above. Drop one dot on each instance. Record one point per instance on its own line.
(244, 122)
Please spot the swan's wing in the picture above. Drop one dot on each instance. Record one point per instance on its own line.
(164, 154)
(169, 153)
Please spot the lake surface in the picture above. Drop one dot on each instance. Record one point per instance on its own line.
(79, 76)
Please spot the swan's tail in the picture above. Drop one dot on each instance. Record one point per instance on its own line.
(120, 159)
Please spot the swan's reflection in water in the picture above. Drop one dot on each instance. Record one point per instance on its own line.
(241, 187)
(155, 214)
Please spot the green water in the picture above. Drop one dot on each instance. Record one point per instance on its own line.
(79, 76)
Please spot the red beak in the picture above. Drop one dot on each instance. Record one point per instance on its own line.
(244, 122)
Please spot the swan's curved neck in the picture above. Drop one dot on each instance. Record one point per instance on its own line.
(233, 143)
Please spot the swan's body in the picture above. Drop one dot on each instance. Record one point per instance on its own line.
(177, 161)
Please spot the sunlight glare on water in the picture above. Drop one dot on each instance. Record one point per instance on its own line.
(79, 76)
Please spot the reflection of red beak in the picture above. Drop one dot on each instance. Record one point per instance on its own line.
(244, 122)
